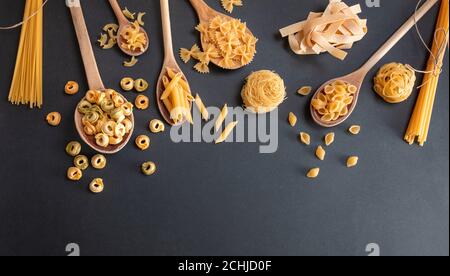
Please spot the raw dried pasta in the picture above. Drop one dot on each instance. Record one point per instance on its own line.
(329, 139)
(292, 119)
(97, 186)
(395, 82)
(313, 173)
(229, 5)
(352, 161)
(320, 153)
(148, 168)
(130, 63)
(263, 91)
(222, 116)
(98, 162)
(128, 14)
(127, 84)
(334, 30)
(71, 88)
(305, 90)
(305, 138)
(54, 118)
(156, 126)
(140, 18)
(143, 142)
(74, 174)
(334, 101)
(177, 97)
(355, 130)
(186, 54)
(142, 102)
(226, 133)
(134, 38)
(227, 41)
(201, 107)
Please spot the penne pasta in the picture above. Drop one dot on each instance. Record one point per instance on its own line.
(226, 133)
(223, 115)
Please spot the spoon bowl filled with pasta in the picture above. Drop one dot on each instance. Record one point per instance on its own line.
(104, 118)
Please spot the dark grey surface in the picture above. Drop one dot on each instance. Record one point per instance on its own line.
(228, 199)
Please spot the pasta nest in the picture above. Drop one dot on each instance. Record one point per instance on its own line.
(395, 82)
(263, 92)
(334, 30)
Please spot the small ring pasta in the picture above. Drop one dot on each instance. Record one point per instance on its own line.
(127, 109)
(109, 127)
(143, 142)
(148, 168)
(54, 118)
(127, 84)
(74, 174)
(97, 186)
(81, 162)
(73, 149)
(128, 125)
(98, 162)
(120, 130)
(157, 126)
(142, 102)
(115, 140)
(71, 88)
(140, 85)
(102, 140)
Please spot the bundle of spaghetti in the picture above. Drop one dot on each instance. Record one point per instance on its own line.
(419, 124)
(26, 87)
(334, 30)
(263, 92)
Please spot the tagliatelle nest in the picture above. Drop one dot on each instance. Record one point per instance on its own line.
(334, 30)
(395, 82)
(263, 92)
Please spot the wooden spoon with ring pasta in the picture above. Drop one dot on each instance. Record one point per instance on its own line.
(169, 61)
(124, 23)
(93, 77)
(205, 15)
(357, 78)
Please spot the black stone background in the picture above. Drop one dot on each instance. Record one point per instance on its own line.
(228, 199)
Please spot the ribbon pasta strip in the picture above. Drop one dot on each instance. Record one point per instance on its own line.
(26, 86)
(177, 97)
(333, 31)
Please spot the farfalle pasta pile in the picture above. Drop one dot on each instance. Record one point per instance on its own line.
(333, 31)
(224, 40)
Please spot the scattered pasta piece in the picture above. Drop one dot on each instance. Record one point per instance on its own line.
(81, 162)
(229, 5)
(127, 84)
(148, 168)
(329, 139)
(305, 138)
(186, 54)
(226, 133)
(74, 174)
(201, 107)
(140, 18)
(202, 68)
(140, 85)
(54, 119)
(132, 62)
(97, 186)
(71, 88)
(73, 149)
(352, 161)
(395, 82)
(143, 142)
(355, 130)
(157, 126)
(103, 40)
(334, 101)
(98, 162)
(142, 102)
(304, 91)
(263, 91)
(320, 153)
(333, 31)
(128, 14)
(111, 43)
(111, 27)
(313, 173)
(292, 119)
(222, 116)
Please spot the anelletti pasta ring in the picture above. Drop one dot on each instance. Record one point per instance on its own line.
(71, 88)
(142, 102)
(143, 142)
(127, 84)
(54, 118)
(140, 85)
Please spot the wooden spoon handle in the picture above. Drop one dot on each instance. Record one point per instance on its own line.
(398, 35)
(167, 30)
(201, 8)
(90, 65)
(118, 12)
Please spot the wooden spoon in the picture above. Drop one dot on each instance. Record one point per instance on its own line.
(124, 23)
(205, 15)
(169, 61)
(357, 78)
(94, 80)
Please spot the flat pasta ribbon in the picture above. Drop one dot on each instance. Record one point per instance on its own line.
(334, 30)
